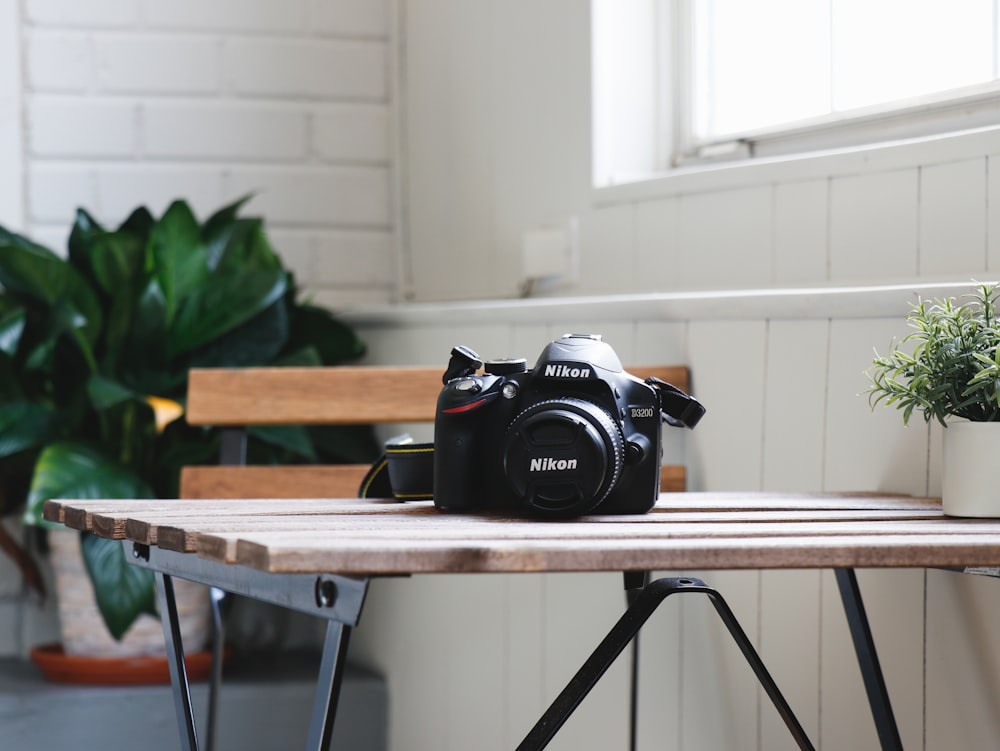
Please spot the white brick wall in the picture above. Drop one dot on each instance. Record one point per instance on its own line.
(157, 63)
(101, 128)
(130, 102)
(264, 16)
(351, 132)
(362, 18)
(94, 13)
(58, 61)
(110, 104)
(11, 137)
(323, 69)
(189, 129)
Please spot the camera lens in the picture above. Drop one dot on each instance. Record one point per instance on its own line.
(563, 456)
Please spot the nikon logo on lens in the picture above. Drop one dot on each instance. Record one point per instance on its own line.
(555, 370)
(547, 464)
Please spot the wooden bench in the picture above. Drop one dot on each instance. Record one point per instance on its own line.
(355, 395)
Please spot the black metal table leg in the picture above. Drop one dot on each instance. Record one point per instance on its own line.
(175, 658)
(635, 582)
(337, 599)
(216, 600)
(331, 674)
(871, 670)
(622, 633)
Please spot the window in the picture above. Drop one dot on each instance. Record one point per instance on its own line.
(725, 79)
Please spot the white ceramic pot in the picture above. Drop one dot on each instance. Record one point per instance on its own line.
(971, 475)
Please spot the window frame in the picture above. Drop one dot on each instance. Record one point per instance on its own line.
(671, 145)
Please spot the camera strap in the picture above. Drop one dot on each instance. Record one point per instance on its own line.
(404, 472)
(677, 408)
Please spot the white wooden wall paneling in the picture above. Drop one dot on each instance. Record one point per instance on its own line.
(659, 262)
(607, 258)
(725, 238)
(866, 448)
(992, 215)
(728, 358)
(790, 636)
(962, 693)
(801, 236)
(953, 218)
(795, 384)
(873, 226)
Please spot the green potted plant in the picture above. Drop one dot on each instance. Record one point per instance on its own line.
(94, 354)
(948, 369)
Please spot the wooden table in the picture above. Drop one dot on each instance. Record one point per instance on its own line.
(316, 555)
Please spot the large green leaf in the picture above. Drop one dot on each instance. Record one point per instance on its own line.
(105, 393)
(123, 591)
(247, 247)
(36, 273)
(72, 469)
(67, 320)
(217, 232)
(307, 357)
(255, 342)
(147, 369)
(85, 231)
(139, 224)
(11, 327)
(31, 269)
(218, 307)
(118, 262)
(26, 425)
(292, 438)
(177, 255)
(317, 328)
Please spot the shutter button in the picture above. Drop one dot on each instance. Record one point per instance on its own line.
(468, 386)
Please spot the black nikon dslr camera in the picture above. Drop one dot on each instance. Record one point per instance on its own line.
(575, 435)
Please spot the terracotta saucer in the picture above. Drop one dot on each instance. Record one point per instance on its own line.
(60, 667)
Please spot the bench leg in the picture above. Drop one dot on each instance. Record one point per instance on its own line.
(645, 603)
(175, 658)
(871, 670)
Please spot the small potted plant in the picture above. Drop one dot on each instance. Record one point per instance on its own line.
(948, 369)
(95, 349)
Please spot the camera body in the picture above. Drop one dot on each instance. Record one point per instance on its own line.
(574, 435)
